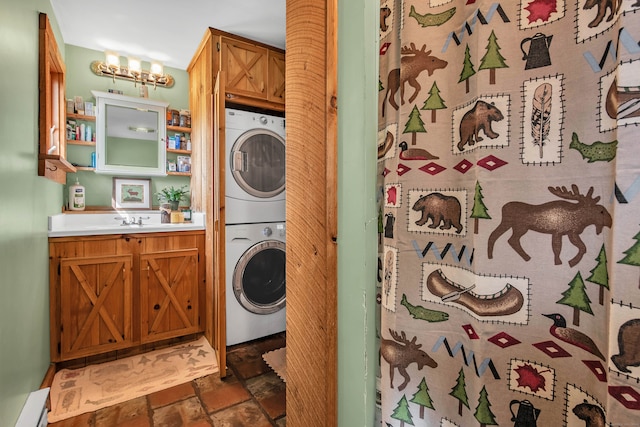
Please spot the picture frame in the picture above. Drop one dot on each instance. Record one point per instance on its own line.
(131, 193)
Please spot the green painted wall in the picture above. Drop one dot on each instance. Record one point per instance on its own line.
(80, 82)
(28, 200)
(357, 210)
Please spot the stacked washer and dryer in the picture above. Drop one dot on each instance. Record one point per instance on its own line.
(255, 225)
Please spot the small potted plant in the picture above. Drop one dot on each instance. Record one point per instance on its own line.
(173, 195)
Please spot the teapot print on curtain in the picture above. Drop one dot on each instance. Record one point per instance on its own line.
(537, 54)
(509, 162)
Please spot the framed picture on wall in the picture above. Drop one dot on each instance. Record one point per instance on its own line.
(131, 193)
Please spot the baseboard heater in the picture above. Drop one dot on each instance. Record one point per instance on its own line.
(34, 411)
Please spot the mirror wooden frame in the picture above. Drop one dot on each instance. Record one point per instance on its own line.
(52, 163)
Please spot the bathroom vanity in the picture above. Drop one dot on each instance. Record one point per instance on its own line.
(116, 284)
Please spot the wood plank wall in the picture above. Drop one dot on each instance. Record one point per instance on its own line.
(311, 86)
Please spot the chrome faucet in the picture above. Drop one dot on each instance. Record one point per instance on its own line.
(125, 220)
(132, 220)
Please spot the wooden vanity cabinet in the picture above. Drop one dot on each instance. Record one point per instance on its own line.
(115, 292)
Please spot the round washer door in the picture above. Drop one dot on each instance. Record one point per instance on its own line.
(257, 163)
(259, 278)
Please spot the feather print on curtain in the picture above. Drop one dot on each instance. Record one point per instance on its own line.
(509, 184)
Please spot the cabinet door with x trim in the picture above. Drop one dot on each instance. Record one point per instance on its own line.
(96, 304)
(246, 66)
(169, 294)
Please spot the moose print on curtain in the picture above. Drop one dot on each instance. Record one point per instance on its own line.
(509, 185)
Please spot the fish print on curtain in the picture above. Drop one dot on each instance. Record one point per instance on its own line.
(509, 221)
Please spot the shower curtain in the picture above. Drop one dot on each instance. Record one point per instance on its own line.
(509, 221)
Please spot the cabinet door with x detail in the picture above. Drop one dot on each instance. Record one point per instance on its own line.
(96, 303)
(247, 68)
(169, 294)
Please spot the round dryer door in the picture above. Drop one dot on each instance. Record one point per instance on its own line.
(258, 163)
(259, 278)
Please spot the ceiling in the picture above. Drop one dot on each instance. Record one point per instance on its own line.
(166, 30)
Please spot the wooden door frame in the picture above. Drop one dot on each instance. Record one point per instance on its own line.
(311, 135)
(311, 138)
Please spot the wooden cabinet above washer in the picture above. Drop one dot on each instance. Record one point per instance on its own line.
(246, 66)
(255, 71)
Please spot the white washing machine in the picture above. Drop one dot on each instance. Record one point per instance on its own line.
(255, 173)
(255, 276)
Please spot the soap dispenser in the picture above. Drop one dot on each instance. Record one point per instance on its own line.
(76, 197)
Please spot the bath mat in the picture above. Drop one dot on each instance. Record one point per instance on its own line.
(77, 391)
(277, 360)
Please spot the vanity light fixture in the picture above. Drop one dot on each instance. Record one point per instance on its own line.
(112, 60)
(135, 67)
(156, 68)
(132, 71)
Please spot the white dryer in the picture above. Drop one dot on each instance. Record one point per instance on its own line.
(255, 281)
(255, 172)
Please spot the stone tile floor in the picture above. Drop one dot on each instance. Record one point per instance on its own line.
(250, 395)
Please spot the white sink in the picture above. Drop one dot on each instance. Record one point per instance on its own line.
(86, 224)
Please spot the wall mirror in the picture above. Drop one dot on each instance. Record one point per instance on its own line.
(130, 135)
(52, 163)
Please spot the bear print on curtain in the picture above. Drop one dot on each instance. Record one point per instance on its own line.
(509, 185)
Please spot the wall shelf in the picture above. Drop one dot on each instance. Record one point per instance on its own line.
(178, 129)
(175, 153)
(81, 117)
(79, 142)
(171, 150)
(52, 162)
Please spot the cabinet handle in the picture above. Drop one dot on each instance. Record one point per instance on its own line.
(156, 307)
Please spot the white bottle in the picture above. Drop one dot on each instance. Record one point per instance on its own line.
(76, 196)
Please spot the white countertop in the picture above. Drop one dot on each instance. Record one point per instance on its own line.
(89, 224)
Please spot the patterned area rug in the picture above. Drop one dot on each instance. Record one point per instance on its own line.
(277, 360)
(77, 391)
